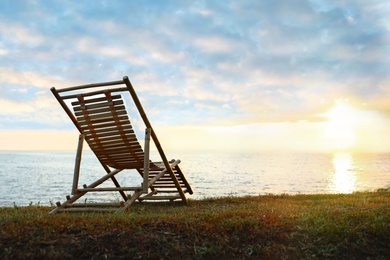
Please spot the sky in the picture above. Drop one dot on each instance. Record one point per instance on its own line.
(297, 75)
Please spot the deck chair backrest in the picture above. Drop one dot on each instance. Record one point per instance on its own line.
(92, 109)
(107, 129)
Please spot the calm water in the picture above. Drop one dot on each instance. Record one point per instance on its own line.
(46, 177)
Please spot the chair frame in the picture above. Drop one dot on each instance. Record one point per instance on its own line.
(168, 167)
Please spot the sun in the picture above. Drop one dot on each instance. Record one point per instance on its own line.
(340, 129)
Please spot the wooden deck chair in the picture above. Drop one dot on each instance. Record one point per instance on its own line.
(100, 115)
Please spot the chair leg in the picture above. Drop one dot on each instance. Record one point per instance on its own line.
(145, 184)
(130, 201)
(77, 164)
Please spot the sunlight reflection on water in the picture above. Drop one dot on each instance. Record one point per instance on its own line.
(344, 175)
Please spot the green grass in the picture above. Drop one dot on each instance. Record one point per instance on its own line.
(354, 226)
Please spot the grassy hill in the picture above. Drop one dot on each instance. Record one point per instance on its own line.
(340, 226)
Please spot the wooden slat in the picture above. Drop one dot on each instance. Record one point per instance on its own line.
(111, 114)
(113, 129)
(115, 150)
(128, 133)
(165, 181)
(124, 150)
(129, 161)
(108, 145)
(122, 157)
(102, 126)
(123, 160)
(104, 123)
(121, 115)
(127, 130)
(108, 135)
(170, 185)
(166, 177)
(124, 165)
(92, 93)
(155, 170)
(98, 105)
(115, 142)
(95, 100)
(120, 120)
(164, 186)
(167, 191)
(111, 139)
(99, 110)
(109, 129)
(183, 178)
(118, 155)
(94, 85)
(96, 126)
(84, 115)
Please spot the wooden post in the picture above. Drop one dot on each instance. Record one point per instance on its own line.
(77, 164)
(146, 160)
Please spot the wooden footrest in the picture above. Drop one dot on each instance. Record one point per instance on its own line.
(86, 209)
(160, 198)
(110, 189)
(167, 191)
(94, 205)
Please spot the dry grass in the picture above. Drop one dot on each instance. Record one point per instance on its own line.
(271, 227)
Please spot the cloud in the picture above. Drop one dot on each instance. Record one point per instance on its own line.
(16, 33)
(39, 111)
(3, 52)
(41, 139)
(217, 44)
(206, 62)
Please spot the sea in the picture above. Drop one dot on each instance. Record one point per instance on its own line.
(45, 177)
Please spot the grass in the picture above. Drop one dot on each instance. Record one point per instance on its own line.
(353, 226)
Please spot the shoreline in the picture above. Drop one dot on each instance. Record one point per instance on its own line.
(51, 204)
